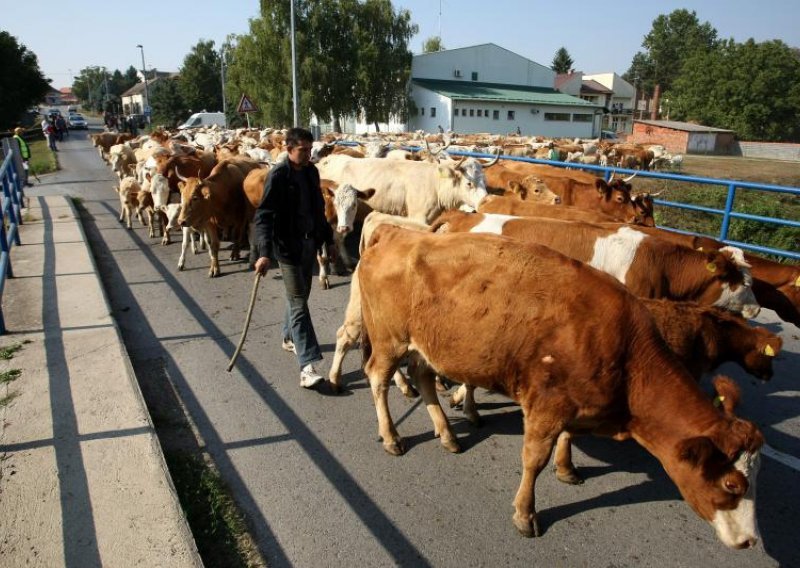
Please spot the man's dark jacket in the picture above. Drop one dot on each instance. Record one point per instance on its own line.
(276, 233)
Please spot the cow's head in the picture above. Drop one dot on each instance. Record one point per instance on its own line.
(615, 200)
(465, 178)
(172, 211)
(321, 149)
(643, 204)
(345, 201)
(194, 199)
(716, 472)
(376, 149)
(731, 272)
(159, 186)
(533, 189)
(758, 360)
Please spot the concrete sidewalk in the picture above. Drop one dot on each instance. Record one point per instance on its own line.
(83, 480)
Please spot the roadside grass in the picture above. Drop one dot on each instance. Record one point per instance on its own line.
(7, 399)
(10, 376)
(43, 160)
(218, 527)
(763, 203)
(7, 352)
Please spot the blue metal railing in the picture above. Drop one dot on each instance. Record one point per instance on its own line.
(9, 227)
(727, 213)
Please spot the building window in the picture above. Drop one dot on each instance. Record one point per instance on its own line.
(433, 112)
(474, 75)
(480, 113)
(496, 114)
(486, 113)
(582, 117)
(511, 115)
(472, 112)
(422, 111)
(558, 116)
(463, 112)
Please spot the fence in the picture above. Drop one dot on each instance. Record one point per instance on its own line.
(727, 213)
(12, 218)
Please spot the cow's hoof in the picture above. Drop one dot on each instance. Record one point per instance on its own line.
(528, 526)
(395, 447)
(571, 477)
(451, 446)
(325, 283)
(474, 419)
(410, 392)
(336, 388)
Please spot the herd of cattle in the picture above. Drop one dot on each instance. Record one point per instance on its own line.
(599, 321)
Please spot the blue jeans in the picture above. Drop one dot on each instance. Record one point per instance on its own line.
(297, 324)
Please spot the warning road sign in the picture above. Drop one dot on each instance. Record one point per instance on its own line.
(246, 105)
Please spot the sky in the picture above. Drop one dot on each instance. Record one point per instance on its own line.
(69, 36)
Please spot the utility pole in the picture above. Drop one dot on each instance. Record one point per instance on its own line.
(295, 102)
(105, 86)
(146, 91)
(222, 74)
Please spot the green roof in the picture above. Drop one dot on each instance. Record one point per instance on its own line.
(471, 90)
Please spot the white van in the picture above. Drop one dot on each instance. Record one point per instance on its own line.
(200, 119)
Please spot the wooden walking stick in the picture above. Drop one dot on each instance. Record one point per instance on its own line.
(246, 321)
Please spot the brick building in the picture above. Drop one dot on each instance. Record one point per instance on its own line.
(684, 137)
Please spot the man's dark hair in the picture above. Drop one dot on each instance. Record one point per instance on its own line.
(296, 135)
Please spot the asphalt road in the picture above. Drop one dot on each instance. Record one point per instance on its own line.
(309, 473)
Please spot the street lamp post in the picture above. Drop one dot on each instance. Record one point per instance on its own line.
(146, 91)
(295, 99)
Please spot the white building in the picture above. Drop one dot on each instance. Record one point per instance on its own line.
(486, 88)
(620, 104)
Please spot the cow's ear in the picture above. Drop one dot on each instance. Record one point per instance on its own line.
(696, 451)
(518, 189)
(147, 176)
(206, 192)
(728, 393)
(602, 188)
(330, 191)
(366, 194)
(181, 184)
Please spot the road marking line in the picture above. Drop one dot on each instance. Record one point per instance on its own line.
(785, 459)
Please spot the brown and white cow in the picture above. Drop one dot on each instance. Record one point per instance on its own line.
(129, 190)
(648, 266)
(703, 338)
(555, 351)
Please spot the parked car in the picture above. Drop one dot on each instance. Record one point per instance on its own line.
(199, 119)
(77, 122)
(72, 109)
(609, 135)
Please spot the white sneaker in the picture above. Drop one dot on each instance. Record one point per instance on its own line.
(309, 377)
(288, 345)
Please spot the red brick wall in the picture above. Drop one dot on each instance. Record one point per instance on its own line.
(675, 141)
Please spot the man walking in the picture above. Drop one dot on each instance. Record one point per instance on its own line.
(290, 227)
(24, 154)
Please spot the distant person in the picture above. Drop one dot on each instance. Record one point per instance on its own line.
(49, 131)
(24, 154)
(553, 154)
(132, 125)
(519, 131)
(61, 128)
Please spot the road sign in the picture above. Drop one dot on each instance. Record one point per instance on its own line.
(147, 111)
(246, 105)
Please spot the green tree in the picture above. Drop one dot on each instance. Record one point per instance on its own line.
(22, 83)
(672, 39)
(168, 105)
(562, 62)
(384, 65)
(199, 82)
(751, 88)
(89, 87)
(433, 44)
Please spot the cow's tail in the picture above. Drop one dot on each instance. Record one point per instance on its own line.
(366, 345)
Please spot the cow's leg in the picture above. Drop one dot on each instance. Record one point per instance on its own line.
(541, 431)
(187, 236)
(322, 260)
(565, 469)
(424, 377)
(343, 260)
(379, 370)
(213, 250)
(128, 215)
(465, 394)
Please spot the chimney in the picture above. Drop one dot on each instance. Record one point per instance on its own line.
(656, 102)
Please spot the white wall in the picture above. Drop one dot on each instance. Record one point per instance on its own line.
(492, 63)
(426, 100)
(528, 122)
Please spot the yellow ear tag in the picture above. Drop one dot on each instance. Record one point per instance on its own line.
(797, 282)
(700, 249)
(718, 401)
(769, 351)
(711, 267)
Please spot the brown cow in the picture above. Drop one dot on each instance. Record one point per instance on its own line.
(515, 184)
(648, 266)
(555, 351)
(216, 202)
(584, 190)
(510, 206)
